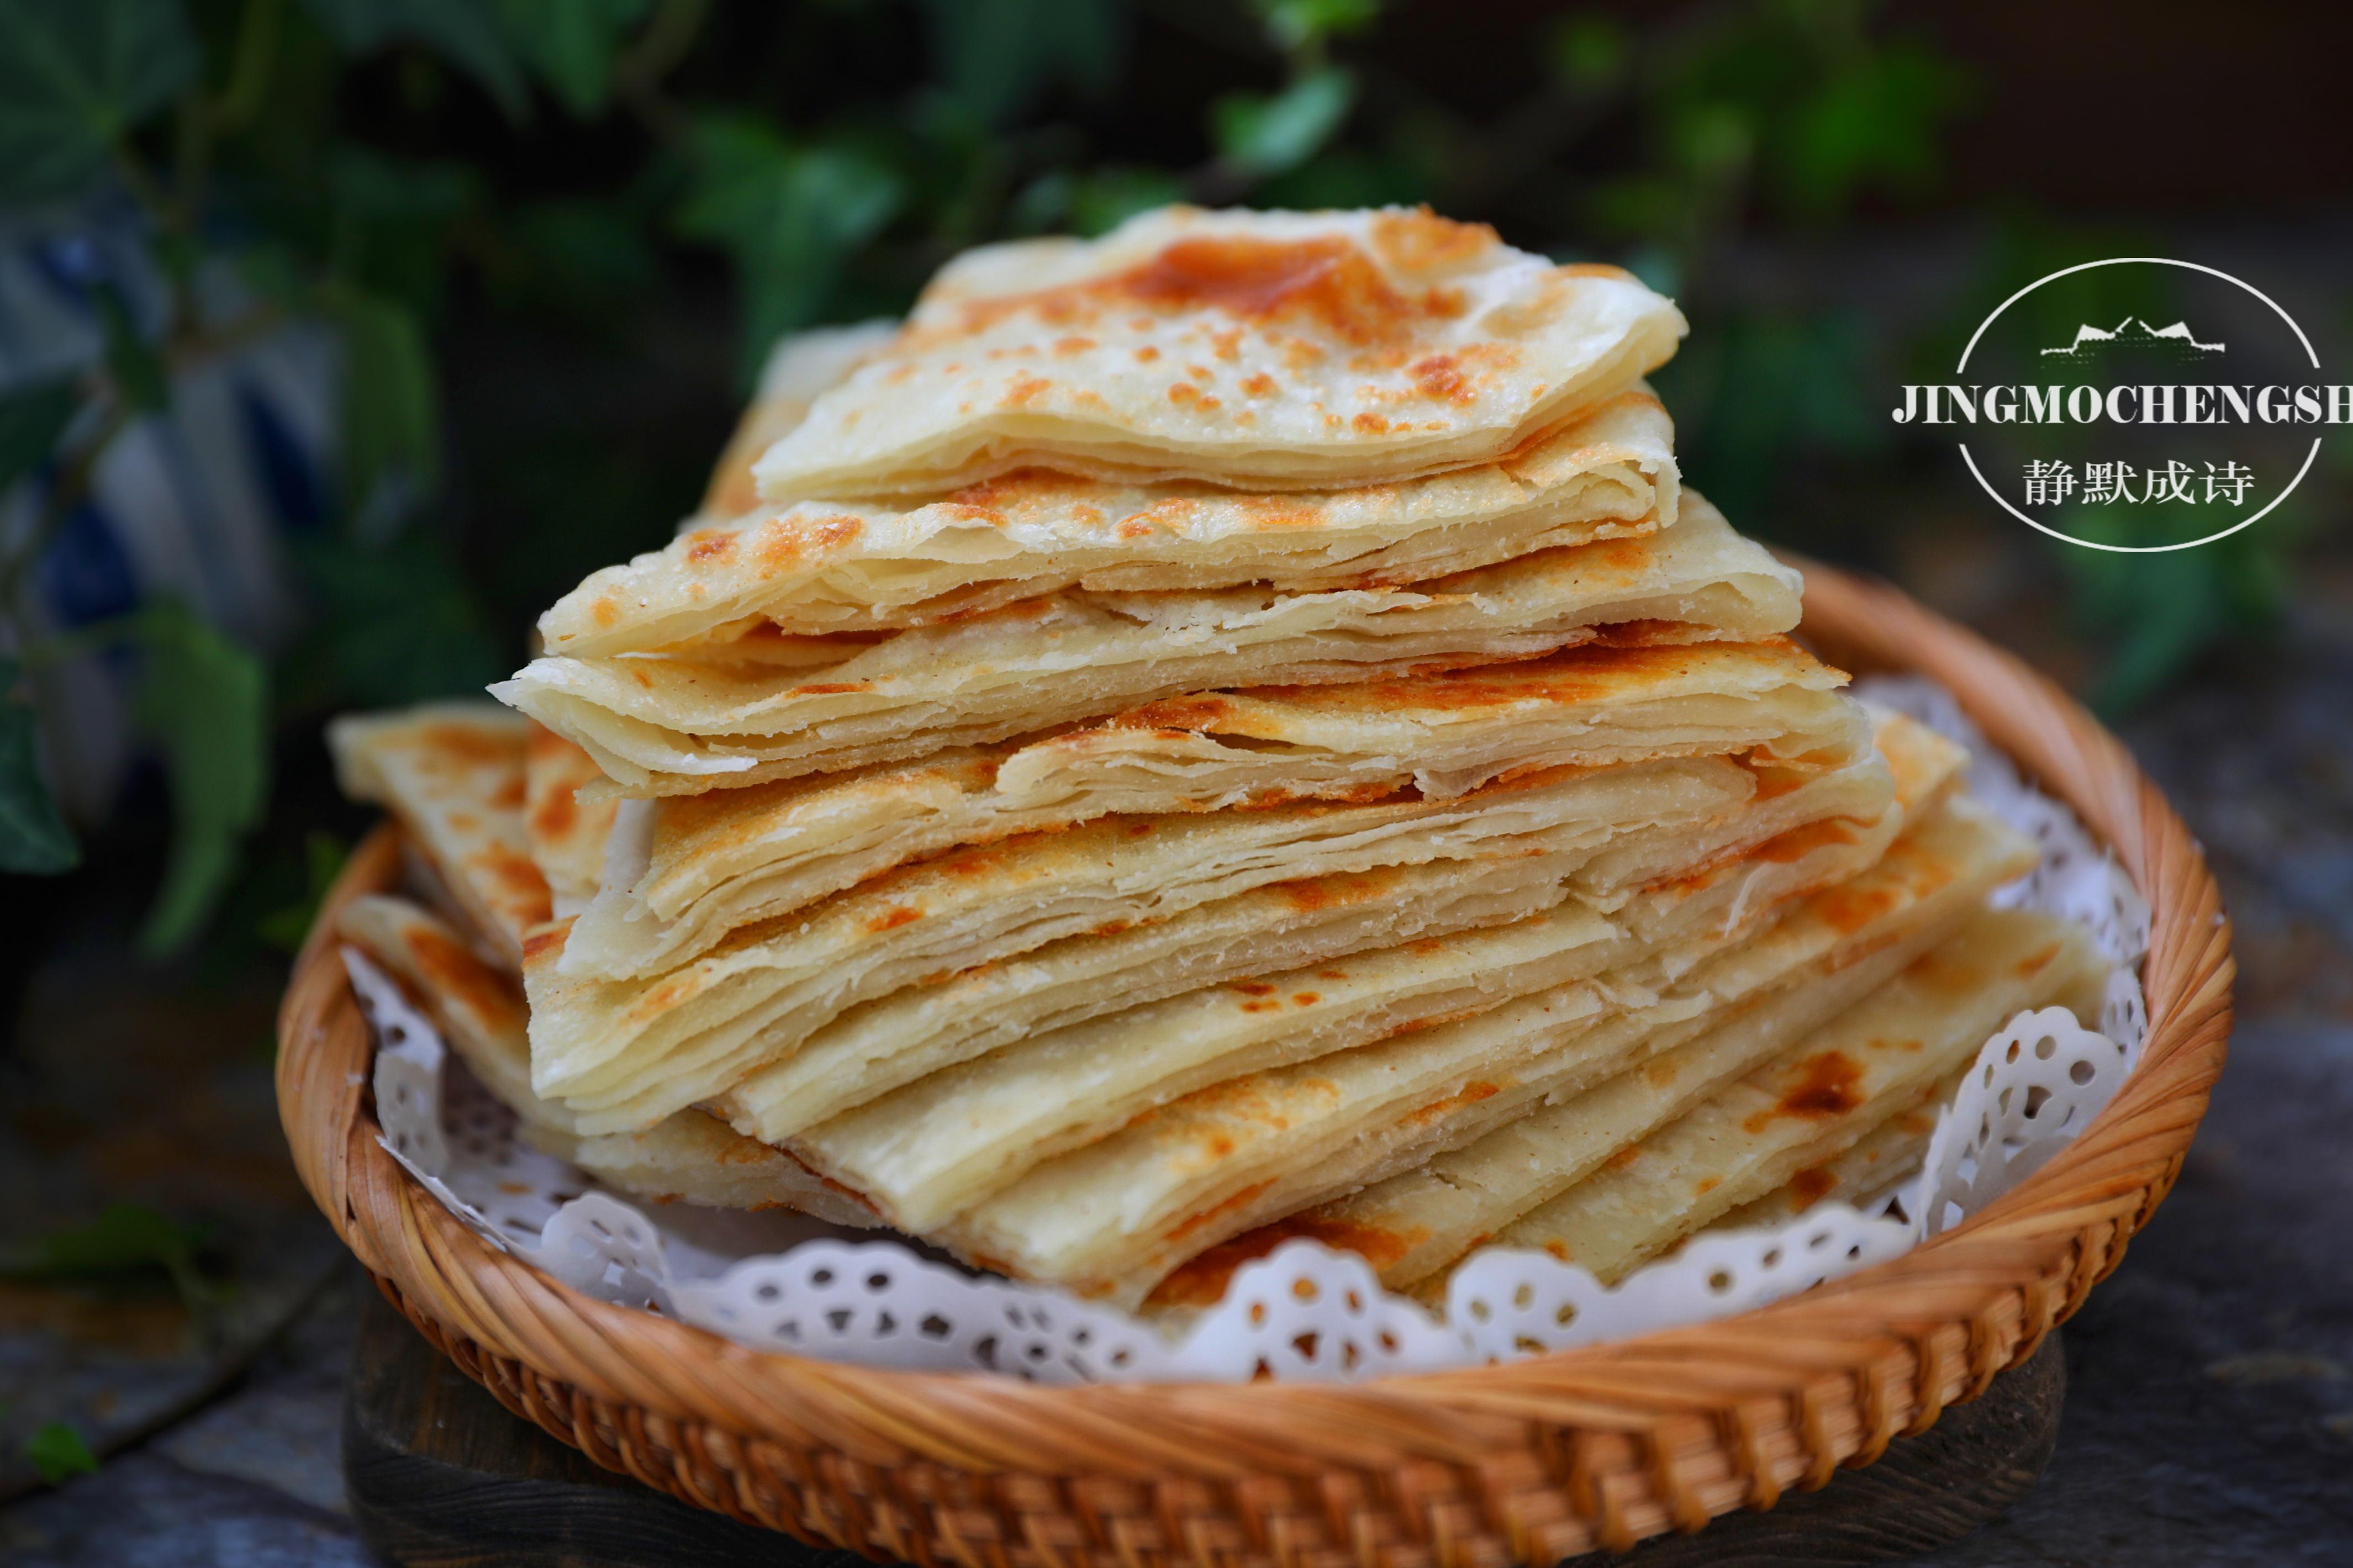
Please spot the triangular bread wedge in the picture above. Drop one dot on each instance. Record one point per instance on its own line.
(1113, 1218)
(1864, 1173)
(935, 1147)
(1263, 350)
(837, 566)
(690, 1158)
(766, 706)
(625, 1054)
(452, 772)
(1422, 1221)
(565, 833)
(700, 866)
(1821, 1096)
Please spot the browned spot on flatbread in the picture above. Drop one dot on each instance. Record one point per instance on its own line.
(1418, 239)
(556, 817)
(1324, 279)
(517, 880)
(782, 542)
(2034, 962)
(1203, 1280)
(1830, 1083)
(472, 743)
(1216, 1211)
(449, 969)
(893, 919)
(1811, 1186)
(710, 544)
(1470, 1094)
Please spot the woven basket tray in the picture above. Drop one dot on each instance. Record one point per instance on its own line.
(1529, 1461)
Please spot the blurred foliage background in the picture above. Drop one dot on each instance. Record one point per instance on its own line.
(547, 243)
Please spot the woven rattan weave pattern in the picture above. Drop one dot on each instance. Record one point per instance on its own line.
(1529, 1461)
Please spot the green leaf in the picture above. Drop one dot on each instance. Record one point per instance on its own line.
(1106, 199)
(1590, 51)
(34, 837)
(125, 1238)
(996, 56)
(76, 77)
(1294, 23)
(394, 623)
(285, 928)
(33, 419)
(588, 260)
(206, 702)
(391, 409)
(394, 218)
(571, 45)
(131, 359)
(58, 1453)
(791, 217)
(1877, 121)
(464, 32)
(1270, 135)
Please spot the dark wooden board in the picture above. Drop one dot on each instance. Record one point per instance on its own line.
(439, 1475)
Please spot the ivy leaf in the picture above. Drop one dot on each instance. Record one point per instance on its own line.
(996, 56)
(391, 410)
(396, 622)
(462, 31)
(125, 1237)
(58, 1453)
(1294, 23)
(131, 359)
(790, 215)
(1875, 121)
(206, 702)
(571, 45)
(1108, 198)
(1271, 135)
(76, 76)
(33, 419)
(322, 859)
(393, 221)
(34, 837)
(1590, 51)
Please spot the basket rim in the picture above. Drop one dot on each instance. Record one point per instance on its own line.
(1844, 1365)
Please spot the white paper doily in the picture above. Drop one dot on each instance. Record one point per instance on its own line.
(1305, 1312)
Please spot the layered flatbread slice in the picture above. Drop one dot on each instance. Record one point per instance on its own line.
(1264, 350)
(947, 1140)
(452, 772)
(1113, 1218)
(625, 1054)
(1819, 1098)
(690, 1158)
(837, 566)
(1864, 1174)
(565, 833)
(698, 866)
(1420, 1222)
(765, 706)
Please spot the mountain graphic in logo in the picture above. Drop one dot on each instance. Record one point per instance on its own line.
(2134, 332)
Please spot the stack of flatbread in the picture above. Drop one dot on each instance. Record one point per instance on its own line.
(1229, 731)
